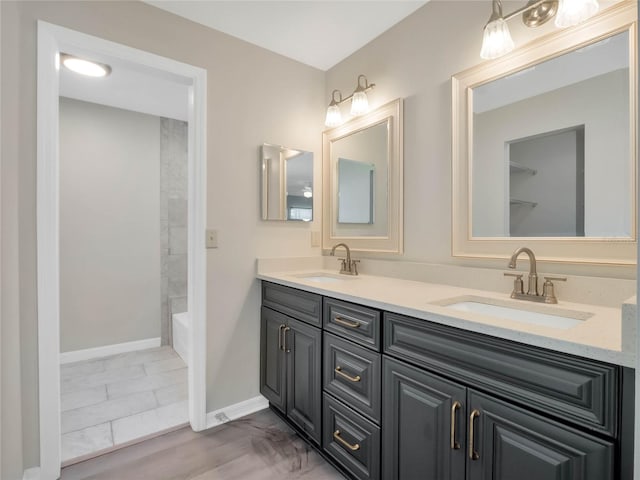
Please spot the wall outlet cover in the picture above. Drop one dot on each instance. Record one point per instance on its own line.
(212, 239)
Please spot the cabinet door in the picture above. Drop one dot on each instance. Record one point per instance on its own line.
(304, 384)
(510, 443)
(272, 360)
(420, 423)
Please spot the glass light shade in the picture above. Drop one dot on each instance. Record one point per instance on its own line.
(85, 67)
(307, 194)
(572, 12)
(497, 40)
(359, 103)
(334, 117)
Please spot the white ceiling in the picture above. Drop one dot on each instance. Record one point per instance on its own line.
(317, 33)
(130, 87)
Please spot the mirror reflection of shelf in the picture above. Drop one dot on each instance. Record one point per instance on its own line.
(517, 168)
(516, 201)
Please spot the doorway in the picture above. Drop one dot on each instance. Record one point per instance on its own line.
(52, 41)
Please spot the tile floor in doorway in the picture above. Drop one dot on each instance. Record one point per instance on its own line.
(117, 399)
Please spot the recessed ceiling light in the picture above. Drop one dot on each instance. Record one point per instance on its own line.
(84, 67)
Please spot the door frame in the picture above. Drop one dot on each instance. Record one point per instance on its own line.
(53, 39)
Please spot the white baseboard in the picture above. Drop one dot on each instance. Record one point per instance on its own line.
(97, 352)
(238, 410)
(32, 473)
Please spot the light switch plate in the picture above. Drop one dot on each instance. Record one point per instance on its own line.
(212, 239)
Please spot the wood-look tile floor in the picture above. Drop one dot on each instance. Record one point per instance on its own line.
(256, 447)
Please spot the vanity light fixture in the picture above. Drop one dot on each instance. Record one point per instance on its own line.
(497, 41)
(84, 67)
(359, 102)
(307, 192)
(334, 117)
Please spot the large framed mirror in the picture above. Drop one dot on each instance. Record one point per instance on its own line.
(287, 183)
(544, 147)
(362, 182)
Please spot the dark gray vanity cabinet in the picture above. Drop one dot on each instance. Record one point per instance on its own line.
(506, 442)
(446, 431)
(290, 362)
(479, 408)
(273, 369)
(391, 397)
(423, 424)
(352, 386)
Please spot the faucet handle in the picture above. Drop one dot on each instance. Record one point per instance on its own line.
(354, 266)
(548, 291)
(518, 284)
(557, 279)
(343, 264)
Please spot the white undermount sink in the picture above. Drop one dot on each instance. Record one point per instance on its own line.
(322, 277)
(530, 314)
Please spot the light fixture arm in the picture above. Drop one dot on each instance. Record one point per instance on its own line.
(359, 88)
(521, 10)
(359, 102)
(333, 98)
(496, 11)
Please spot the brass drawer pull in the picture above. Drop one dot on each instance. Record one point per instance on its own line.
(284, 336)
(346, 323)
(454, 408)
(473, 455)
(339, 371)
(337, 436)
(280, 343)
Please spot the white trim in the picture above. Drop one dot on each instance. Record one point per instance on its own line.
(48, 265)
(32, 473)
(51, 40)
(196, 250)
(237, 410)
(106, 350)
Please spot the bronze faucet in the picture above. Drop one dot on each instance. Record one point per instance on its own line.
(348, 266)
(548, 293)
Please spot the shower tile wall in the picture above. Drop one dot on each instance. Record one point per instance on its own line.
(173, 221)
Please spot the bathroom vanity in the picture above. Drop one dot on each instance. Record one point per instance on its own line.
(389, 391)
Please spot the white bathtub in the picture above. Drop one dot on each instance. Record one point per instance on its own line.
(181, 328)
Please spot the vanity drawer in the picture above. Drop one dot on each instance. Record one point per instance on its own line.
(352, 374)
(351, 440)
(571, 388)
(298, 304)
(355, 322)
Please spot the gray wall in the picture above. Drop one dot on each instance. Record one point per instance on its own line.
(555, 187)
(109, 225)
(240, 119)
(173, 221)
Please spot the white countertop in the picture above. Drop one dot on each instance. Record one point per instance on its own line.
(607, 335)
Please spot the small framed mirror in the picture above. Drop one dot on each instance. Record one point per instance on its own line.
(362, 182)
(544, 147)
(287, 183)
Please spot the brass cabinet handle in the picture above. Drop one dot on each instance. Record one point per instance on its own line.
(473, 455)
(346, 323)
(454, 408)
(284, 336)
(280, 344)
(337, 436)
(339, 371)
